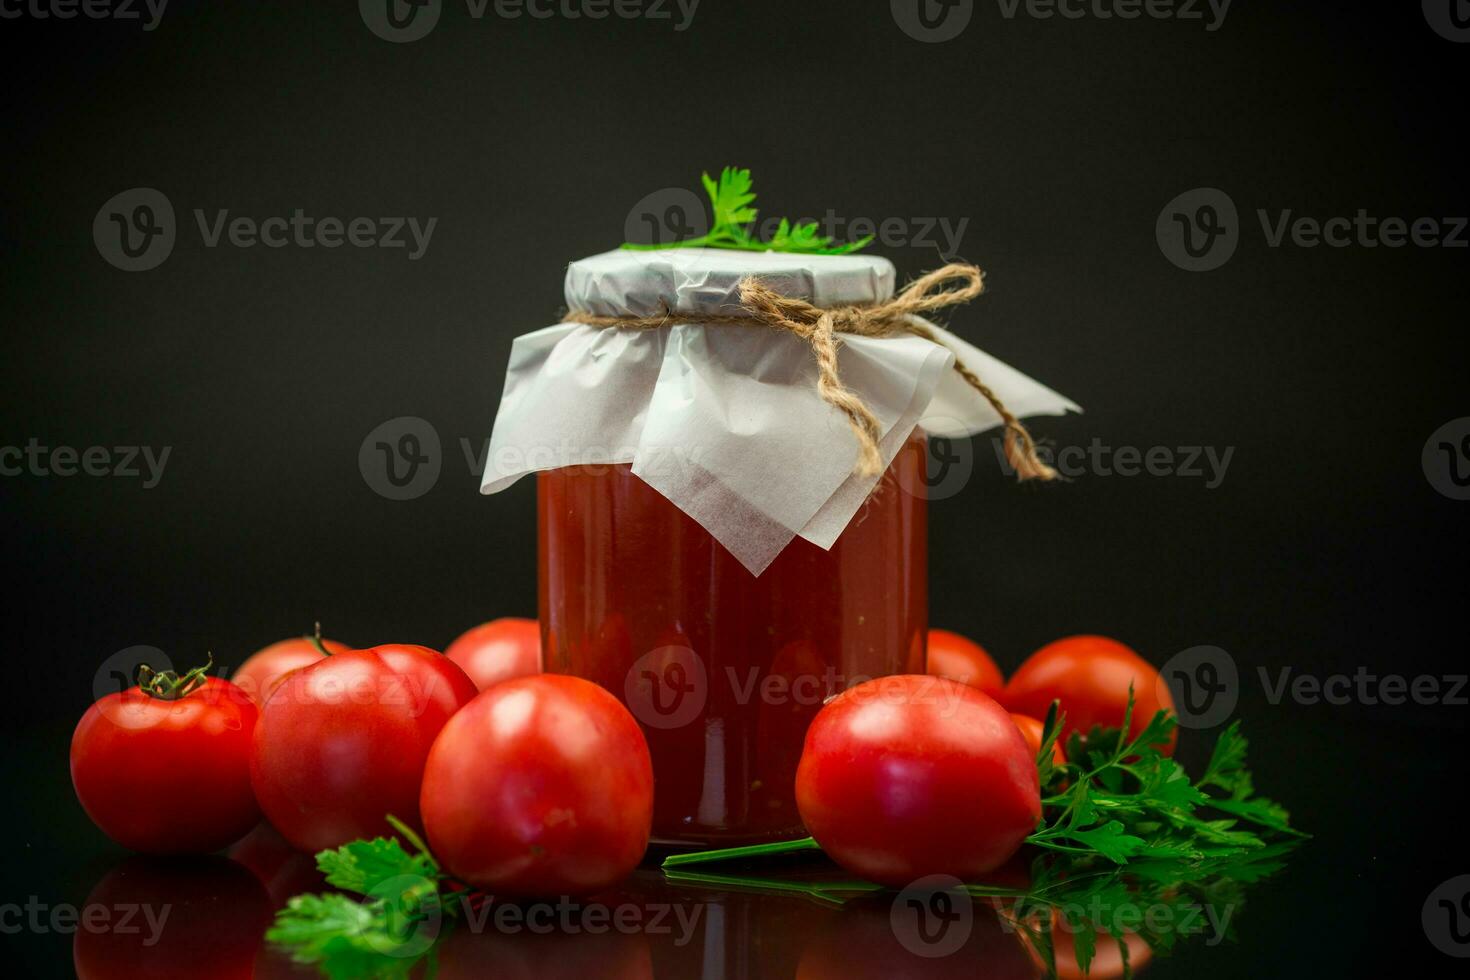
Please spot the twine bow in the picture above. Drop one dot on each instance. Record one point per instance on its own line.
(819, 327)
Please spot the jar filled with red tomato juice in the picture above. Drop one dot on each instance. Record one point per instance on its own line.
(722, 545)
(725, 669)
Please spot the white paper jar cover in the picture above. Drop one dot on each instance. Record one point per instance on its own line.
(724, 421)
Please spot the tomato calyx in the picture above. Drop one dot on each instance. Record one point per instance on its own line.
(169, 685)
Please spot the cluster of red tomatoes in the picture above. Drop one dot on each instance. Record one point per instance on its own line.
(905, 777)
(523, 782)
(532, 784)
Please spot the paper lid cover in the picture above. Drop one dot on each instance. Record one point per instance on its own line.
(632, 282)
(726, 421)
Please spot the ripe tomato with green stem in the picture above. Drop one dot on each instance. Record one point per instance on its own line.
(164, 767)
(342, 742)
(1091, 677)
(263, 669)
(908, 776)
(540, 787)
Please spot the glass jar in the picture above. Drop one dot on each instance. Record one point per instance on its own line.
(724, 669)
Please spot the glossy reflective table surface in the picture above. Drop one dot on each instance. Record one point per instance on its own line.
(1356, 900)
(204, 916)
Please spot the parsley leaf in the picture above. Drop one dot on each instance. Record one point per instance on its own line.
(730, 199)
(345, 938)
(384, 935)
(1110, 841)
(366, 866)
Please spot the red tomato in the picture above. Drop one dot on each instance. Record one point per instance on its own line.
(1033, 731)
(498, 650)
(263, 670)
(161, 918)
(1090, 676)
(168, 776)
(341, 744)
(542, 786)
(963, 660)
(908, 776)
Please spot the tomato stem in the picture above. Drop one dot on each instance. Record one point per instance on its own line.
(752, 850)
(167, 685)
(410, 835)
(316, 639)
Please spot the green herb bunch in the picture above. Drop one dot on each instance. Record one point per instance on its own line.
(389, 931)
(1132, 844)
(733, 216)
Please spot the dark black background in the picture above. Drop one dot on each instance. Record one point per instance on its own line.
(1325, 548)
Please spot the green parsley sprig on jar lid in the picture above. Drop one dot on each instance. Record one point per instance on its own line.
(730, 200)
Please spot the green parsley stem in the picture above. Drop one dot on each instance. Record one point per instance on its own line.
(752, 850)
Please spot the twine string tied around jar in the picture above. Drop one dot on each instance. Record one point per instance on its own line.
(820, 327)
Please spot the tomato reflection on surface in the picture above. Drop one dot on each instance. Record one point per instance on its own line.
(900, 935)
(739, 933)
(284, 872)
(481, 948)
(1107, 961)
(190, 917)
(281, 869)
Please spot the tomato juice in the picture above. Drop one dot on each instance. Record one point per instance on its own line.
(724, 669)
